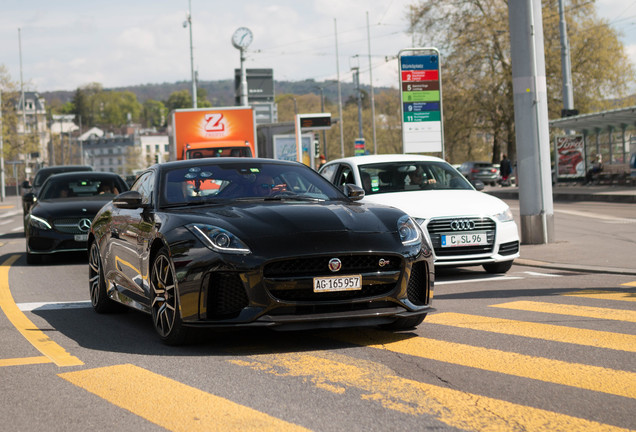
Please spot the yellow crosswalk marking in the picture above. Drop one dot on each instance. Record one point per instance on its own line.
(604, 295)
(24, 361)
(629, 284)
(555, 333)
(338, 374)
(35, 336)
(171, 404)
(595, 378)
(571, 310)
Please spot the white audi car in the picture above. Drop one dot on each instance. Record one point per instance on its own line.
(465, 226)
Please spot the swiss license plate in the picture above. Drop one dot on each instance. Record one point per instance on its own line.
(337, 283)
(464, 239)
(81, 237)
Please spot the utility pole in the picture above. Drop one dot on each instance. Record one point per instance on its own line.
(188, 23)
(340, 120)
(566, 67)
(356, 83)
(375, 143)
(2, 191)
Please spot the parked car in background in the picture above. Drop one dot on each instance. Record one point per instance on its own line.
(246, 242)
(485, 172)
(61, 217)
(465, 227)
(31, 190)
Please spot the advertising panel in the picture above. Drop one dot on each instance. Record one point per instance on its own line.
(285, 146)
(570, 156)
(421, 97)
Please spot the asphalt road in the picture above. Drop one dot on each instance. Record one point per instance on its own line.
(536, 349)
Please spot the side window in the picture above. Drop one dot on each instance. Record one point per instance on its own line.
(344, 176)
(328, 171)
(144, 185)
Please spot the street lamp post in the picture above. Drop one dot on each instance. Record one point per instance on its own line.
(241, 39)
(188, 23)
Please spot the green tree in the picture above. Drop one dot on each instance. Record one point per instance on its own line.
(154, 114)
(477, 73)
(179, 99)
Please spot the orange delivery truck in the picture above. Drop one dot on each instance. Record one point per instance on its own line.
(213, 132)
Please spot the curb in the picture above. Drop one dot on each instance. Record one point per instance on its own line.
(575, 267)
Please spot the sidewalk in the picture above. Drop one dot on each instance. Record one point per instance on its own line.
(575, 192)
(575, 251)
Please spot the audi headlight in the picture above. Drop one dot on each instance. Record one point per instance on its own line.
(504, 216)
(39, 223)
(218, 239)
(409, 231)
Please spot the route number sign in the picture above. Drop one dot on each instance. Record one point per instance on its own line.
(421, 97)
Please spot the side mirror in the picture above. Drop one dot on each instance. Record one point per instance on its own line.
(28, 197)
(479, 185)
(355, 193)
(128, 200)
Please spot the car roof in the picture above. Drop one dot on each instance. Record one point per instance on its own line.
(64, 168)
(83, 174)
(371, 159)
(219, 161)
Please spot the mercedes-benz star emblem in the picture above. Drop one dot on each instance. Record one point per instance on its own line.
(84, 225)
(462, 225)
(335, 264)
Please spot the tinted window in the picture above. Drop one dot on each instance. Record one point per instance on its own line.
(144, 185)
(69, 187)
(249, 180)
(410, 175)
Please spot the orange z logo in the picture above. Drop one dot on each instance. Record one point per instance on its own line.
(213, 122)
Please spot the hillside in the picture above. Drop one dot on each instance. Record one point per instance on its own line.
(221, 93)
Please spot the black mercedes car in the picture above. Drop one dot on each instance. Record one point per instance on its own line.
(236, 242)
(61, 217)
(32, 190)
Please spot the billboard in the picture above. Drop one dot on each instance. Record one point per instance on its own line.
(421, 100)
(570, 156)
(260, 85)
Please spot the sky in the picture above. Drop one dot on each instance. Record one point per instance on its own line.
(66, 44)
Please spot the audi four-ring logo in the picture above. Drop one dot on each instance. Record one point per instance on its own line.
(84, 225)
(335, 264)
(462, 225)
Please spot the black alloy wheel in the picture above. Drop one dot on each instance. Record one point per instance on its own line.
(166, 316)
(96, 283)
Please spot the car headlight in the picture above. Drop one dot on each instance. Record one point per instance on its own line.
(504, 216)
(218, 239)
(409, 231)
(39, 223)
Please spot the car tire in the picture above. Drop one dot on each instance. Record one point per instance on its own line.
(97, 284)
(164, 301)
(405, 323)
(500, 267)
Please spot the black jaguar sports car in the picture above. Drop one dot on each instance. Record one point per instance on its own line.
(235, 242)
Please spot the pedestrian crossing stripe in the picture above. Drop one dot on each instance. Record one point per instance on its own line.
(571, 310)
(594, 378)
(549, 332)
(338, 374)
(171, 404)
(604, 295)
(629, 284)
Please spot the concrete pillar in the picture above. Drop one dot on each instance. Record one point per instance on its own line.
(531, 121)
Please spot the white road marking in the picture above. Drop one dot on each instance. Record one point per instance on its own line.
(607, 218)
(486, 279)
(541, 274)
(28, 307)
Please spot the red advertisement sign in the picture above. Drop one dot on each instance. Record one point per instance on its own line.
(570, 156)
